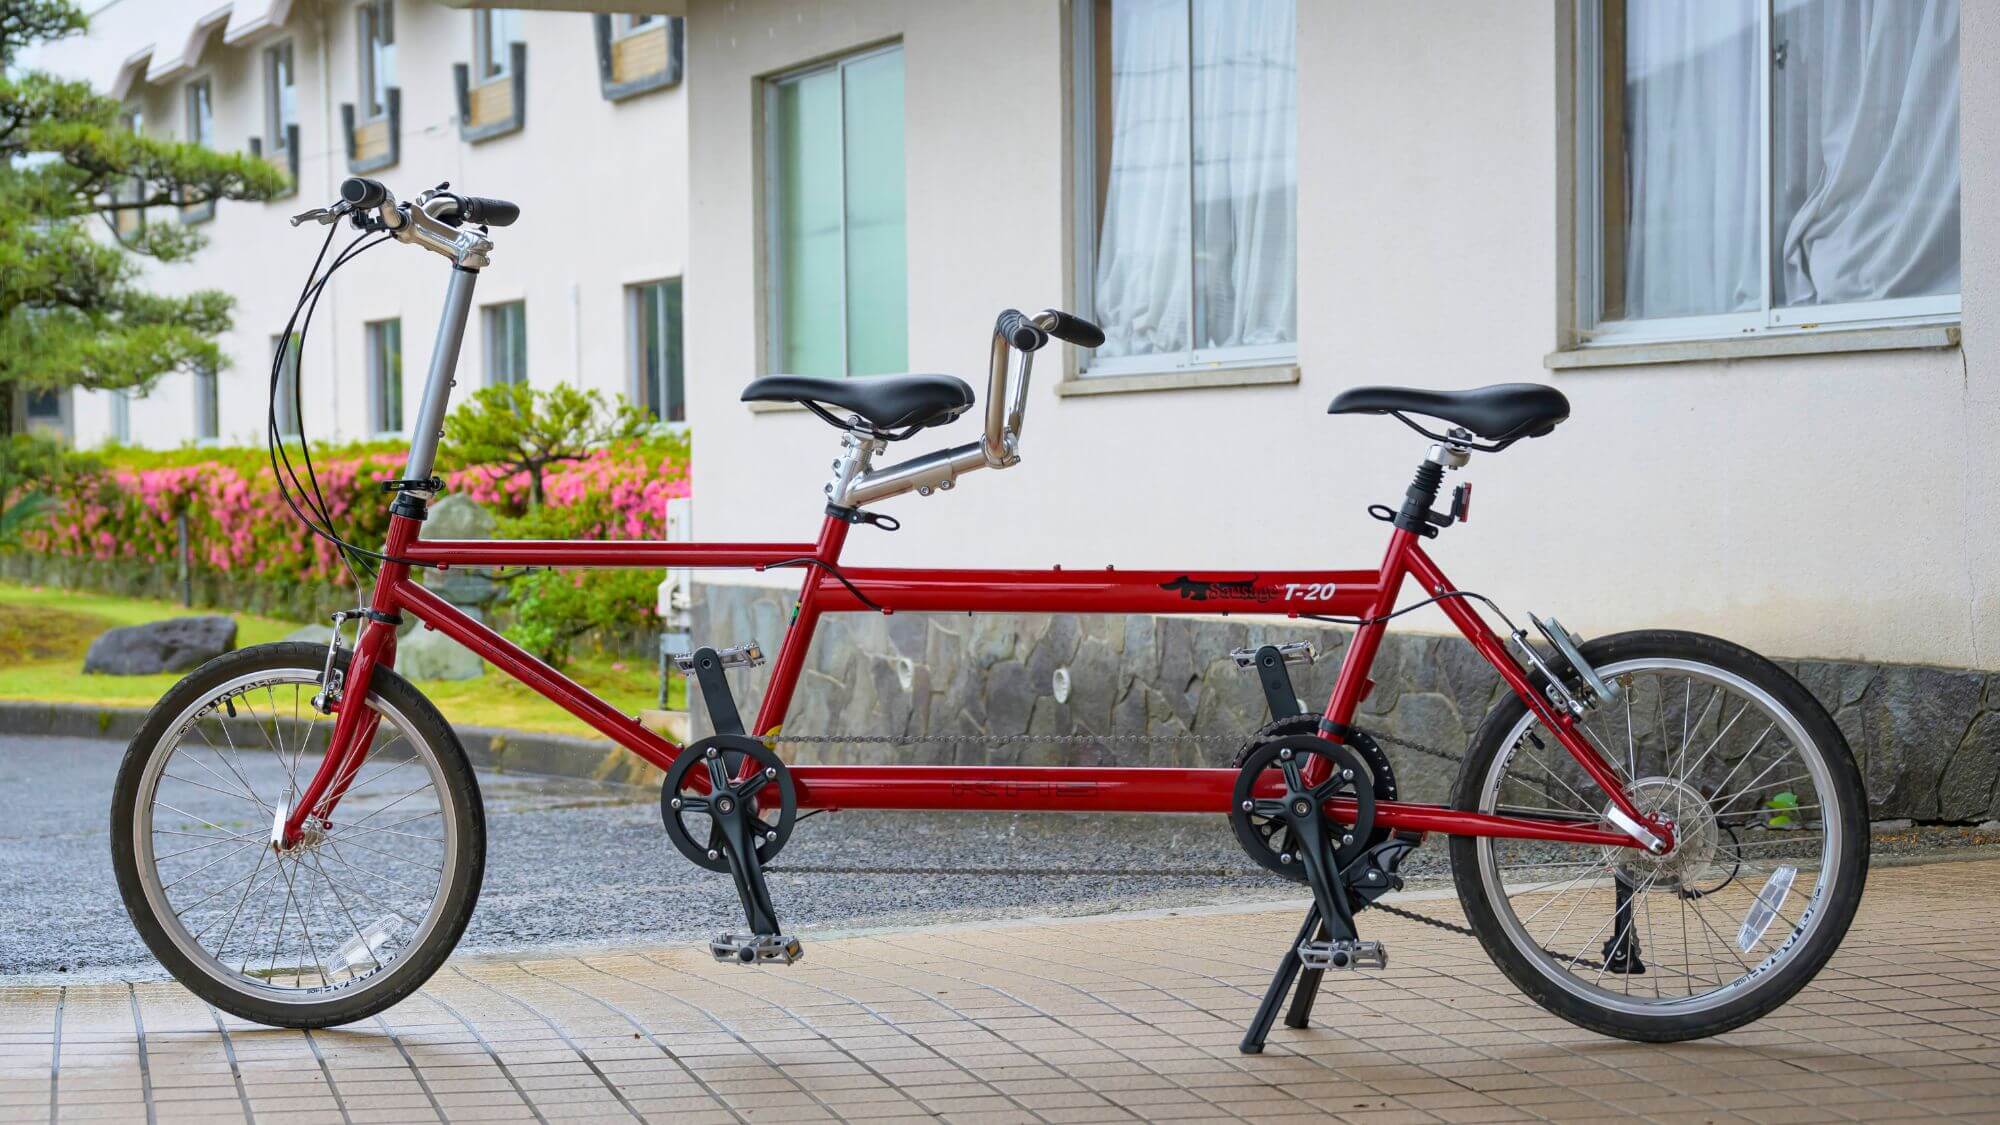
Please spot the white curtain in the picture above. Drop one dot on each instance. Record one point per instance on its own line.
(1864, 173)
(1692, 158)
(1864, 154)
(1246, 174)
(1199, 216)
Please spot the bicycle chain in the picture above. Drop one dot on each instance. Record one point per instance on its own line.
(1090, 739)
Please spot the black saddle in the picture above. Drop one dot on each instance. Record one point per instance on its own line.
(885, 402)
(1503, 413)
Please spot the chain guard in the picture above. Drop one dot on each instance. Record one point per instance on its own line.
(731, 752)
(1267, 840)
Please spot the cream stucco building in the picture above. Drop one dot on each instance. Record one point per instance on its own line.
(1756, 243)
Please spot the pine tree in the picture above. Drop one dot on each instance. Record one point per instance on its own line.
(74, 307)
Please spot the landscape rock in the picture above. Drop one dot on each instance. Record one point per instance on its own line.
(426, 654)
(178, 644)
(311, 634)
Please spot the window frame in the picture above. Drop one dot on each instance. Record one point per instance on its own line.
(286, 401)
(634, 23)
(492, 333)
(773, 292)
(121, 416)
(674, 358)
(379, 401)
(275, 125)
(371, 17)
(491, 61)
(1587, 330)
(130, 223)
(207, 404)
(1083, 181)
(204, 85)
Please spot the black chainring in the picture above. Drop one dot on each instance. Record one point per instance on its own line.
(1372, 755)
(733, 752)
(1268, 839)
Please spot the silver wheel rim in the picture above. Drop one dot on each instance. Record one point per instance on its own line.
(1740, 771)
(331, 920)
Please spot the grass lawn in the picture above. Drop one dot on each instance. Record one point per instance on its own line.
(45, 631)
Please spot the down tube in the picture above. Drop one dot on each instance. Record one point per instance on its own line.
(556, 687)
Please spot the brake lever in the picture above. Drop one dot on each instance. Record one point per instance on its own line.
(322, 215)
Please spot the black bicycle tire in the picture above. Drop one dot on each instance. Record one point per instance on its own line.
(1788, 978)
(416, 966)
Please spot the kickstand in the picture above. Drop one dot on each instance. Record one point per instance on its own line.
(1281, 983)
(1309, 978)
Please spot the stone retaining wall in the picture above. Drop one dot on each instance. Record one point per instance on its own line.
(1928, 738)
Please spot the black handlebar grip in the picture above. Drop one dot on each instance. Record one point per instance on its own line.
(363, 193)
(1076, 330)
(492, 212)
(1019, 331)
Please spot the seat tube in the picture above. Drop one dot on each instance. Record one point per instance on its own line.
(444, 365)
(1352, 683)
(798, 638)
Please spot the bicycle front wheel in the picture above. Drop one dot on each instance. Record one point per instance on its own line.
(348, 922)
(1767, 869)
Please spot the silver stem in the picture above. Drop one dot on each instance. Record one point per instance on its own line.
(437, 386)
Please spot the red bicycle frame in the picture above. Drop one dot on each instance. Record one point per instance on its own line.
(1366, 594)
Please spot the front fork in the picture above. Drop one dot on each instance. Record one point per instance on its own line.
(355, 722)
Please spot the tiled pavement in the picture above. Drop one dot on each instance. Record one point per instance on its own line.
(1104, 1019)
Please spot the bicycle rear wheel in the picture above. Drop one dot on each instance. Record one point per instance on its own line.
(1767, 868)
(338, 928)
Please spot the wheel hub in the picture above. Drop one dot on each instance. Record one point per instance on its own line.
(1697, 836)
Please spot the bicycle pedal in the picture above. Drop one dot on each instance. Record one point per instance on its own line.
(1294, 652)
(736, 656)
(1343, 954)
(757, 949)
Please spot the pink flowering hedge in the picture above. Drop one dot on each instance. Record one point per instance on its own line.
(125, 508)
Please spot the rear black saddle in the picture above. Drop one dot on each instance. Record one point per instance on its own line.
(885, 402)
(1502, 414)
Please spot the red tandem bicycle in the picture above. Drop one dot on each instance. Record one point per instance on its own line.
(1657, 835)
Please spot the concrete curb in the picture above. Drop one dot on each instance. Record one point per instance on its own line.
(508, 751)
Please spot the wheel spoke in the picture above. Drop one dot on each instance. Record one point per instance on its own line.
(269, 923)
(1728, 725)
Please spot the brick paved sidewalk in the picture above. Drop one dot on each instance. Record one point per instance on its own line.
(1106, 1019)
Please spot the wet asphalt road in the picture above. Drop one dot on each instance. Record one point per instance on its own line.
(578, 863)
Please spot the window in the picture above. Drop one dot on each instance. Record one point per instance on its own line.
(377, 38)
(285, 353)
(622, 25)
(838, 285)
(130, 222)
(654, 311)
(1188, 181)
(200, 105)
(1753, 166)
(385, 376)
(46, 413)
(207, 404)
(506, 343)
(121, 416)
(281, 97)
(492, 30)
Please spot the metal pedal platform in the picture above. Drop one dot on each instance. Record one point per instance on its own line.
(738, 656)
(757, 949)
(1340, 953)
(1294, 652)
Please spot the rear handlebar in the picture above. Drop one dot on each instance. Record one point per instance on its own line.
(999, 446)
